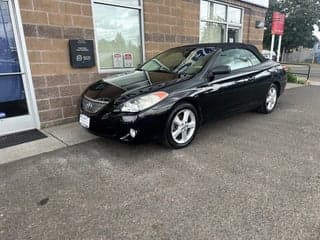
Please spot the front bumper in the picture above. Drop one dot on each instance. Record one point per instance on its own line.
(146, 125)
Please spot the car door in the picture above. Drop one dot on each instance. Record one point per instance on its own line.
(260, 80)
(229, 92)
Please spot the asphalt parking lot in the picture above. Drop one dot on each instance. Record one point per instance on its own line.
(250, 176)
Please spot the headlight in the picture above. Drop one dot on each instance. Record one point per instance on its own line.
(141, 103)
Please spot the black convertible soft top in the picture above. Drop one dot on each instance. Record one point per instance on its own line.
(224, 46)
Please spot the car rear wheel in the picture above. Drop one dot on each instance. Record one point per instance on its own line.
(271, 99)
(181, 126)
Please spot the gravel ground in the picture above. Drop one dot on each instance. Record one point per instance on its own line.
(250, 176)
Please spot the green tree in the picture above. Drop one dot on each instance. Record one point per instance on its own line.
(301, 15)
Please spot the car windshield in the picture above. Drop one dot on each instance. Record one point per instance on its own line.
(188, 61)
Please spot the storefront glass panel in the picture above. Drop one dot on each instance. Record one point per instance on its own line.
(212, 32)
(219, 12)
(220, 22)
(12, 94)
(234, 15)
(118, 33)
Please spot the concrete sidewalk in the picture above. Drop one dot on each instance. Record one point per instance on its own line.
(314, 83)
(58, 137)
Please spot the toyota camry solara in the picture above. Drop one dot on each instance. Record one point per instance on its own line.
(172, 94)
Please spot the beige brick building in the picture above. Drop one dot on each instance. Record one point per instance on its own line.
(39, 86)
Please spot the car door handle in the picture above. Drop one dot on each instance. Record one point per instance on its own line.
(246, 80)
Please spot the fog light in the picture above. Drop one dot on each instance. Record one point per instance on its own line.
(133, 132)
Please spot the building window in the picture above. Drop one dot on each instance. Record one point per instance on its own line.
(118, 33)
(220, 22)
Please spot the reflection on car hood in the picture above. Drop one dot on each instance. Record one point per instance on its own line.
(140, 79)
(128, 85)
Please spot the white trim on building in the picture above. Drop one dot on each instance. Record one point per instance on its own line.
(31, 120)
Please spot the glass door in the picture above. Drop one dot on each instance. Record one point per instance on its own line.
(15, 114)
(233, 35)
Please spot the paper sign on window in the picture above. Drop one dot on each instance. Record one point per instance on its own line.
(128, 60)
(117, 60)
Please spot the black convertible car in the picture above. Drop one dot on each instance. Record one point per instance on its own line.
(172, 94)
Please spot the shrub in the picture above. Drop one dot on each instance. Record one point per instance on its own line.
(292, 78)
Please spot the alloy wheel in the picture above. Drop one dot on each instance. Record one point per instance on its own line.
(183, 126)
(271, 99)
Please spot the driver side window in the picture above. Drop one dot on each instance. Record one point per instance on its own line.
(234, 58)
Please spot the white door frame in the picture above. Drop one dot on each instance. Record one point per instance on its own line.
(30, 121)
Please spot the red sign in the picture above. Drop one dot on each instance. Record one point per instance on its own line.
(278, 23)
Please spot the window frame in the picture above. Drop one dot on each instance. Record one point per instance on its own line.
(226, 23)
(141, 12)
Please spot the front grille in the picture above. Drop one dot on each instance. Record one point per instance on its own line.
(92, 106)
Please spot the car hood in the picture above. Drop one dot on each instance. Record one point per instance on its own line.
(127, 85)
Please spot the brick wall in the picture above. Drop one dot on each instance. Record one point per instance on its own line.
(48, 25)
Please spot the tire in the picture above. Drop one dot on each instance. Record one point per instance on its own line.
(271, 100)
(181, 126)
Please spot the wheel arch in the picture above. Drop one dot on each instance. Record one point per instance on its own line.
(194, 102)
(277, 83)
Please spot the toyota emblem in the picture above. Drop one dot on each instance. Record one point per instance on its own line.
(90, 106)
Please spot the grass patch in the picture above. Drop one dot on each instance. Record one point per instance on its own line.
(292, 78)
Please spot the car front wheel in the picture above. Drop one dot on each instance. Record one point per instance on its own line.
(181, 126)
(271, 99)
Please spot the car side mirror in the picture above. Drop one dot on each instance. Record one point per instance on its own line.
(222, 69)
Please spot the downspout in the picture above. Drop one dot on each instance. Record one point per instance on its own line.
(250, 14)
